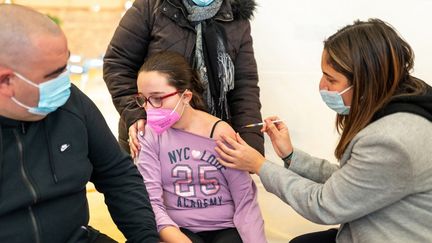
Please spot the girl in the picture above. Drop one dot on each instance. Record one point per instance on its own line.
(195, 199)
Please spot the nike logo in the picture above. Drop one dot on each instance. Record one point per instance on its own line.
(64, 147)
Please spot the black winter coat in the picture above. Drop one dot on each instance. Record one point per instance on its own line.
(151, 26)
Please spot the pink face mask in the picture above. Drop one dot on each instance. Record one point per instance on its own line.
(160, 119)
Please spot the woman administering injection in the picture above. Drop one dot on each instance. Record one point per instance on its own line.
(381, 191)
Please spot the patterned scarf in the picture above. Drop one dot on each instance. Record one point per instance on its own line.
(212, 62)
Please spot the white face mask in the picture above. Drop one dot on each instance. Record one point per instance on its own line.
(334, 100)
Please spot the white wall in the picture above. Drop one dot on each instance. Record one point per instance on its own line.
(288, 40)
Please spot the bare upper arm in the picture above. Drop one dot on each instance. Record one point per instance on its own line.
(223, 128)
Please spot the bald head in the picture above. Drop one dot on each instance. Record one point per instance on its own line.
(19, 26)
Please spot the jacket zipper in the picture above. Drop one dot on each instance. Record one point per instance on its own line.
(30, 187)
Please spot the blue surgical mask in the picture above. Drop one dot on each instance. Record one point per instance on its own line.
(202, 3)
(334, 100)
(52, 94)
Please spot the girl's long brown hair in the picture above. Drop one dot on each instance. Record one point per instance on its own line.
(377, 62)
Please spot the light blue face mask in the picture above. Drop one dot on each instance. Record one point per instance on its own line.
(202, 3)
(334, 100)
(52, 94)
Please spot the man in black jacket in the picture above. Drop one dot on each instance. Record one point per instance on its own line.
(53, 140)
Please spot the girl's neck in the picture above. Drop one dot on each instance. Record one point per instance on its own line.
(190, 119)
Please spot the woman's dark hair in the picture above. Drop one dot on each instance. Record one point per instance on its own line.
(377, 62)
(179, 74)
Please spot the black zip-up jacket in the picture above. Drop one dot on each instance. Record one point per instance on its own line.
(44, 169)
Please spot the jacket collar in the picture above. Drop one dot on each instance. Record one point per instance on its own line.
(7, 122)
(10, 123)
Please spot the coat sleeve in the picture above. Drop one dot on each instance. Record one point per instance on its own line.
(115, 175)
(244, 99)
(125, 55)
(150, 168)
(366, 183)
(247, 216)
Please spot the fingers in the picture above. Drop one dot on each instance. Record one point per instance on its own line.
(133, 140)
(280, 125)
(264, 128)
(141, 127)
(224, 158)
(226, 164)
(240, 140)
(272, 118)
(271, 129)
(233, 143)
(133, 150)
(238, 154)
(225, 150)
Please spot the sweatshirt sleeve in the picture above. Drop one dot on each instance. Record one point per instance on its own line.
(377, 174)
(247, 216)
(115, 175)
(150, 168)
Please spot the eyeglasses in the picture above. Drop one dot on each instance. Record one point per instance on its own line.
(155, 101)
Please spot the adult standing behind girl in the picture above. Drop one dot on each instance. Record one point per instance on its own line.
(193, 196)
(381, 191)
(213, 35)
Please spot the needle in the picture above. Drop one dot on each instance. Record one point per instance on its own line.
(261, 123)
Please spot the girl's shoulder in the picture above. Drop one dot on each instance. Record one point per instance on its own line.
(213, 127)
(222, 128)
